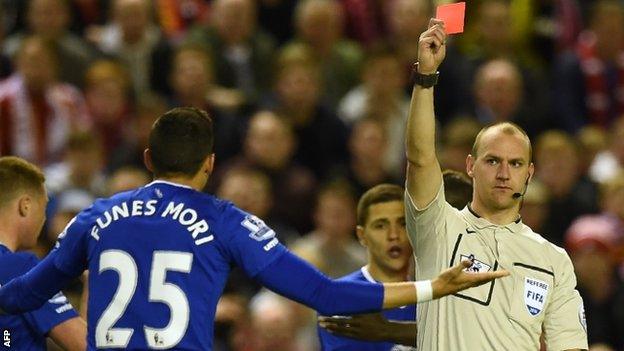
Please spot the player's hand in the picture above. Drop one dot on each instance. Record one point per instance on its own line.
(456, 279)
(432, 47)
(368, 327)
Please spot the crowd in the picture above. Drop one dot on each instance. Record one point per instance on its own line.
(309, 100)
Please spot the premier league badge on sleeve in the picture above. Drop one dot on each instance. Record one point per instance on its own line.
(535, 292)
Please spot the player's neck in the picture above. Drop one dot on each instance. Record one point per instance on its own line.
(7, 237)
(499, 217)
(386, 276)
(195, 182)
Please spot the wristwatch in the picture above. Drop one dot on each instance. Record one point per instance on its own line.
(424, 80)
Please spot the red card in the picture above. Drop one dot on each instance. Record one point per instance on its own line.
(453, 17)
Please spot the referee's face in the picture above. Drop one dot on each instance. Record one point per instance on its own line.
(501, 168)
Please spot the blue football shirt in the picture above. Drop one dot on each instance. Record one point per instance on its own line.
(159, 257)
(331, 342)
(28, 331)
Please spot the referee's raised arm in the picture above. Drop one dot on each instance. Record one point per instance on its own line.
(424, 176)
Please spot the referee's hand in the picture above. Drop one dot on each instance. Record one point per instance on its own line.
(457, 279)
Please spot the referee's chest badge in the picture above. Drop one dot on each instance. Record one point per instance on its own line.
(535, 292)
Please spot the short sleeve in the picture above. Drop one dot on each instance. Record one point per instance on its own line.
(564, 324)
(426, 227)
(71, 247)
(249, 242)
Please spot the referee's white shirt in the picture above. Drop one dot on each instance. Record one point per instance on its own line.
(507, 314)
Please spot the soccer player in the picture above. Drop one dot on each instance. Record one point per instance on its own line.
(159, 255)
(381, 230)
(23, 201)
(510, 314)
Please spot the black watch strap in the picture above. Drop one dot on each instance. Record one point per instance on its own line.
(423, 80)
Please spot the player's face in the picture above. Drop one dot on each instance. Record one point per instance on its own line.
(501, 169)
(385, 237)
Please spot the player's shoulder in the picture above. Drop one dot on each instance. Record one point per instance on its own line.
(355, 276)
(13, 264)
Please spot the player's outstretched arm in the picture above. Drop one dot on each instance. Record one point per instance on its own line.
(424, 176)
(292, 277)
(31, 290)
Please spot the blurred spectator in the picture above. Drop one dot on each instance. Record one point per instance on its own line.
(320, 29)
(242, 55)
(368, 147)
(609, 161)
(130, 151)
(408, 19)
(269, 146)
(5, 62)
(321, 135)
(592, 141)
(50, 19)
(381, 97)
(126, 178)
(535, 206)
(272, 323)
(591, 242)
(81, 167)
(331, 246)
(572, 194)
(457, 138)
(133, 38)
(232, 330)
(499, 97)
(276, 18)
(37, 112)
(192, 83)
(367, 21)
(177, 16)
(589, 81)
(107, 92)
(549, 27)
(489, 36)
(250, 190)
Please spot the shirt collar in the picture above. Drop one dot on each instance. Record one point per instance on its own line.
(160, 181)
(367, 274)
(481, 223)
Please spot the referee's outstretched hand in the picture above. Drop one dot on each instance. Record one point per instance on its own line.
(457, 279)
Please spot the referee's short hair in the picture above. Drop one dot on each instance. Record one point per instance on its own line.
(180, 141)
(508, 128)
(18, 176)
(378, 194)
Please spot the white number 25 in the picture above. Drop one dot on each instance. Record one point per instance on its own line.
(159, 291)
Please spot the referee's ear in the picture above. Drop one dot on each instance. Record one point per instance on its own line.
(359, 231)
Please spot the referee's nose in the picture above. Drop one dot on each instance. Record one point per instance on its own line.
(503, 172)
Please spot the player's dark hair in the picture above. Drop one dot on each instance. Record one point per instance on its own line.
(18, 176)
(378, 194)
(457, 188)
(180, 141)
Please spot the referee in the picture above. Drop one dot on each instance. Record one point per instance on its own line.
(510, 314)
